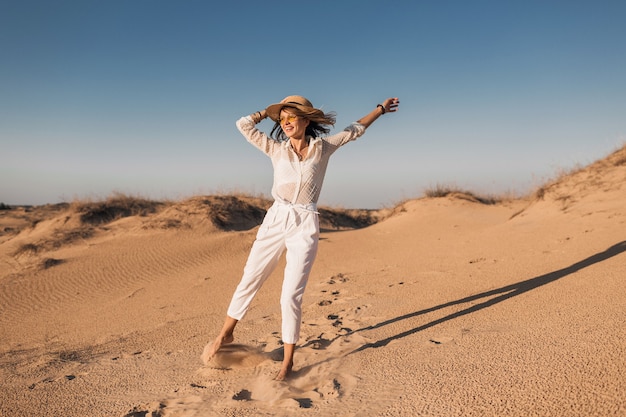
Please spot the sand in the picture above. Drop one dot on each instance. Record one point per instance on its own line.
(441, 307)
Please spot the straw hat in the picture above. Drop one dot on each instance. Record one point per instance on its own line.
(298, 102)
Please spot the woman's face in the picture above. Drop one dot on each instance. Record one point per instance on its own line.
(293, 126)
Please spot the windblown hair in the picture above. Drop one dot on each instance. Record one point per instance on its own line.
(318, 125)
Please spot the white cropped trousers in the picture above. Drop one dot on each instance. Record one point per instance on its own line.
(291, 227)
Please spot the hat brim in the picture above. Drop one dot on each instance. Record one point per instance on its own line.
(273, 111)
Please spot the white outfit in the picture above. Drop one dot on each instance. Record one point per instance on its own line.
(291, 223)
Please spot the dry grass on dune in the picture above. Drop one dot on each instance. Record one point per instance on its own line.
(113, 208)
(452, 191)
(81, 220)
(84, 219)
(596, 176)
(67, 223)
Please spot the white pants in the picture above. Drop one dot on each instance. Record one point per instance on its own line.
(285, 226)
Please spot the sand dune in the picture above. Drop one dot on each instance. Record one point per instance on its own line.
(438, 306)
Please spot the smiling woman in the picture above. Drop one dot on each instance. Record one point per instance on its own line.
(295, 128)
(299, 150)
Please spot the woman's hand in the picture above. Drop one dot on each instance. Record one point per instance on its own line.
(258, 116)
(391, 104)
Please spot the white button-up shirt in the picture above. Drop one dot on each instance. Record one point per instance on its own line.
(295, 181)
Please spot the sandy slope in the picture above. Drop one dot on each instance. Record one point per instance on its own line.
(446, 308)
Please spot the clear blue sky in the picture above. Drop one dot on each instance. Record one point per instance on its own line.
(141, 96)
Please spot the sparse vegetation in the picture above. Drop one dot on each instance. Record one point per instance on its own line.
(64, 237)
(540, 193)
(342, 219)
(238, 211)
(50, 262)
(27, 249)
(58, 239)
(113, 208)
(234, 213)
(618, 157)
(440, 191)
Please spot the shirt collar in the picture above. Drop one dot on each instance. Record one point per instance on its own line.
(312, 142)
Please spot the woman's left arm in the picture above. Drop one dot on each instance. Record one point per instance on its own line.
(388, 106)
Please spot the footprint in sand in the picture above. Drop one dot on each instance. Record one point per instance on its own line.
(243, 395)
(340, 277)
(179, 407)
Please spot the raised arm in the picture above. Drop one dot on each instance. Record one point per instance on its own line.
(388, 106)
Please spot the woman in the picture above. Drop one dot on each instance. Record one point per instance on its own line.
(299, 153)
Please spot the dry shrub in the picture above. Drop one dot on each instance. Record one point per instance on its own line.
(341, 219)
(58, 239)
(233, 213)
(440, 191)
(618, 157)
(27, 249)
(115, 207)
(64, 237)
(621, 160)
(598, 169)
(50, 262)
(560, 177)
(243, 212)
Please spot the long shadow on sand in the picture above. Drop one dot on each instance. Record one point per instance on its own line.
(506, 293)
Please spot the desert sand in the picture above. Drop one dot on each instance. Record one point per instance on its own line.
(442, 306)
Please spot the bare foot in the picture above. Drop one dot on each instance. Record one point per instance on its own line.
(284, 372)
(211, 348)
